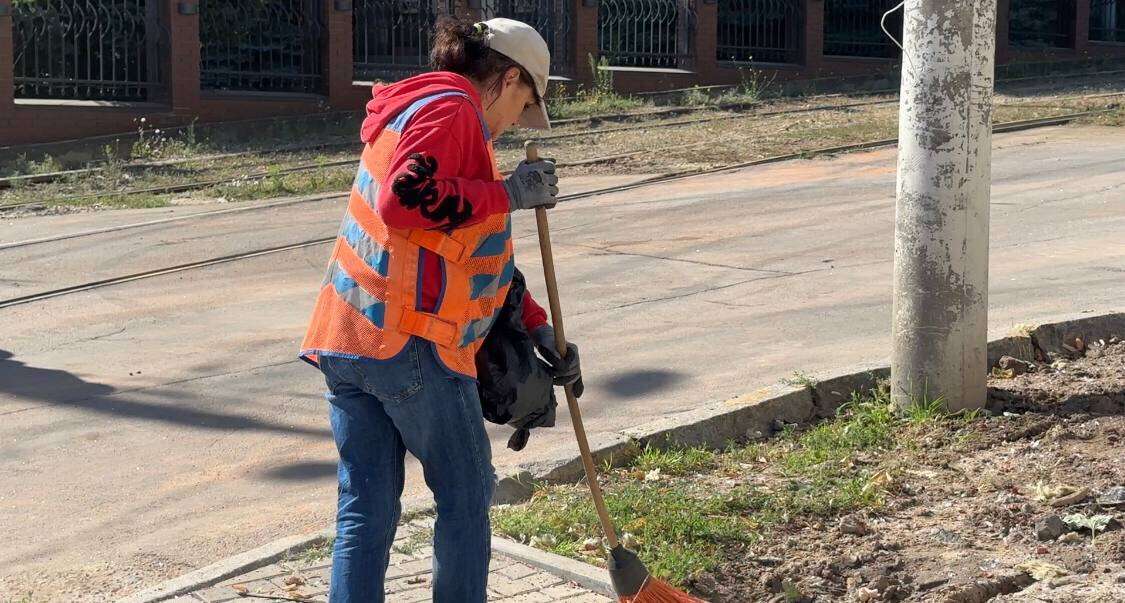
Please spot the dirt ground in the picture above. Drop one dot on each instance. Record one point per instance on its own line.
(977, 510)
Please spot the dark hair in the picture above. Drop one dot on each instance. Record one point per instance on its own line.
(461, 46)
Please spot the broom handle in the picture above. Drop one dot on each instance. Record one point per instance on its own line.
(560, 340)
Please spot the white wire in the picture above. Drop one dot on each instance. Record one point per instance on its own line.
(883, 26)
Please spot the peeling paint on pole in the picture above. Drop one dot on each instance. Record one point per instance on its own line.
(940, 315)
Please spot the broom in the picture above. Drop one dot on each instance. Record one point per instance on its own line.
(631, 580)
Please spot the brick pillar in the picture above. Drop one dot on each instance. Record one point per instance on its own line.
(813, 53)
(706, 41)
(1003, 50)
(181, 62)
(7, 73)
(339, 60)
(585, 39)
(1080, 30)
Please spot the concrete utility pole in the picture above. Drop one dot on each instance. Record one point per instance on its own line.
(940, 315)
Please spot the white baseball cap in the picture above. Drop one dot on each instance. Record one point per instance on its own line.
(521, 43)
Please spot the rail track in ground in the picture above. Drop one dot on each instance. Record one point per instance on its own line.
(108, 282)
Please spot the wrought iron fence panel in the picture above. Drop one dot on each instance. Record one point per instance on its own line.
(1107, 20)
(85, 49)
(1040, 23)
(760, 30)
(392, 37)
(261, 45)
(852, 28)
(646, 33)
(551, 18)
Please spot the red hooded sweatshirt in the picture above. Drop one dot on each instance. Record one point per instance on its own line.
(445, 142)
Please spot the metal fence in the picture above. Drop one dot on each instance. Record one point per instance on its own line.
(1107, 20)
(767, 31)
(261, 45)
(1040, 23)
(646, 33)
(392, 37)
(85, 49)
(851, 28)
(551, 18)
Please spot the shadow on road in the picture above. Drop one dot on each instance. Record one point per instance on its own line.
(302, 471)
(634, 384)
(60, 388)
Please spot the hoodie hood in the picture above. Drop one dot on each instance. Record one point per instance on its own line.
(388, 100)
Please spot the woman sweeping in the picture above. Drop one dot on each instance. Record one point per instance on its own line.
(420, 269)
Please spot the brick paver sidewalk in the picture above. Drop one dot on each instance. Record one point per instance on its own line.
(408, 578)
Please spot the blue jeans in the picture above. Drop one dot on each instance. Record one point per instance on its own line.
(379, 410)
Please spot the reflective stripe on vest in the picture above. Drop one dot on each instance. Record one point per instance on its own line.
(368, 304)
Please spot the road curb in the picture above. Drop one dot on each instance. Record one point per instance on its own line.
(583, 574)
(752, 416)
(229, 568)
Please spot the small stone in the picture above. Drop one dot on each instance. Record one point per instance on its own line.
(865, 594)
(1121, 579)
(854, 525)
(881, 583)
(1051, 528)
(1063, 581)
(1017, 366)
(1071, 538)
(1071, 499)
(1113, 497)
(944, 536)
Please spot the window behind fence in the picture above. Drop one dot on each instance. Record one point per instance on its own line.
(86, 49)
(1040, 23)
(261, 45)
(760, 30)
(392, 37)
(852, 28)
(646, 33)
(1107, 20)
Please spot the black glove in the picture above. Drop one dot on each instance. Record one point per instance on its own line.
(566, 370)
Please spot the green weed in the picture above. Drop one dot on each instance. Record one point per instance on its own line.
(677, 531)
(696, 97)
(702, 504)
(800, 379)
(316, 553)
(674, 461)
(418, 539)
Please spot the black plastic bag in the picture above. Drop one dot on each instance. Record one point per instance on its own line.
(515, 385)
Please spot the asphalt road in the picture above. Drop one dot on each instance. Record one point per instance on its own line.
(153, 427)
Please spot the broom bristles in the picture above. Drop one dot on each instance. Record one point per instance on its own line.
(658, 591)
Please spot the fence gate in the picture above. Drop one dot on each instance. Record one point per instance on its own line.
(86, 49)
(392, 37)
(852, 28)
(768, 31)
(1040, 23)
(551, 18)
(647, 33)
(261, 45)
(1107, 20)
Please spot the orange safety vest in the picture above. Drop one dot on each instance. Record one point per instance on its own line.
(368, 304)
